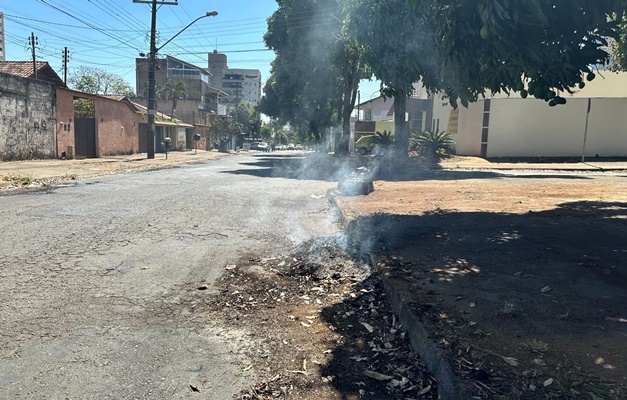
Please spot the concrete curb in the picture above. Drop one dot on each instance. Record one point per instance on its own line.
(448, 386)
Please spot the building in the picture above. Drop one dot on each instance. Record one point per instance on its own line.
(240, 85)
(378, 114)
(2, 42)
(201, 100)
(592, 123)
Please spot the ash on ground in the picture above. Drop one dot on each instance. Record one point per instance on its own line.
(321, 327)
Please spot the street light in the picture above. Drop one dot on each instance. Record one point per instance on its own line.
(152, 70)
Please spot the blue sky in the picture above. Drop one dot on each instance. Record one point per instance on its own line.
(109, 34)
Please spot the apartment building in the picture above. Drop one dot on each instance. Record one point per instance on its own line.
(240, 85)
(201, 99)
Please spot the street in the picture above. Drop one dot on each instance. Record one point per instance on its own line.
(92, 275)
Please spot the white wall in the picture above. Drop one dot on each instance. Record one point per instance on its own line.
(468, 137)
(529, 128)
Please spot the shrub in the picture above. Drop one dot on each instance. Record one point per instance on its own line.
(432, 145)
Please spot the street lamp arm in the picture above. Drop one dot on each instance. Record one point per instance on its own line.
(208, 14)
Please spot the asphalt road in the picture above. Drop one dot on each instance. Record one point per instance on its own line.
(98, 280)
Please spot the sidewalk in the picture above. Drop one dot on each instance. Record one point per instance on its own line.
(35, 173)
(476, 163)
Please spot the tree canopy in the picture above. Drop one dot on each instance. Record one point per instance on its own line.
(535, 47)
(98, 81)
(314, 75)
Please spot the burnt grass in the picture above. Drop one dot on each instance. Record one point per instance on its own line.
(321, 327)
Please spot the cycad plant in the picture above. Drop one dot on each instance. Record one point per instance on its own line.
(383, 139)
(433, 145)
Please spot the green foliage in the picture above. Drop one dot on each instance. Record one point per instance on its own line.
(315, 73)
(98, 81)
(432, 145)
(619, 49)
(395, 42)
(265, 131)
(383, 139)
(380, 141)
(223, 130)
(173, 90)
(84, 108)
(536, 47)
(18, 179)
(248, 116)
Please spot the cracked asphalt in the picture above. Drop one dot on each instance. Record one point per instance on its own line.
(93, 277)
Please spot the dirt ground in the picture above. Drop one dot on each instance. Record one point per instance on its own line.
(520, 279)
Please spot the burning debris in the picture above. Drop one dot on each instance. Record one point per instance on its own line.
(358, 183)
(322, 327)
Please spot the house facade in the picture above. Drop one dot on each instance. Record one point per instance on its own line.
(377, 115)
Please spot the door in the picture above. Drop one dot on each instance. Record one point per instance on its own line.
(85, 137)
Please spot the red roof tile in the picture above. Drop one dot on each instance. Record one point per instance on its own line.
(24, 69)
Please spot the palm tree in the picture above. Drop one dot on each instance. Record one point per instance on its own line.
(173, 90)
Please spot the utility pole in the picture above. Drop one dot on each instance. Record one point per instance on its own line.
(66, 59)
(32, 42)
(151, 71)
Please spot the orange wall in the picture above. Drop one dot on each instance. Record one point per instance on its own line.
(65, 122)
(117, 124)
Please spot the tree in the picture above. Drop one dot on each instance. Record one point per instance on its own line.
(223, 130)
(535, 47)
(314, 74)
(248, 116)
(173, 90)
(98, 81)
(392, 34)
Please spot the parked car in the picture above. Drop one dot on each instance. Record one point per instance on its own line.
(298, 147)
(290, 146)
(280, 147)
(263, 146)
(364, 144)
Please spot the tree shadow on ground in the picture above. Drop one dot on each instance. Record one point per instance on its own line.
(527, 286)
(330, 168)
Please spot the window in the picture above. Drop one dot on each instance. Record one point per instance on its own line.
(367, 115)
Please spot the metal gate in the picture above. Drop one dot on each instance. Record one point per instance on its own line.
(85, 137)
(143, 138)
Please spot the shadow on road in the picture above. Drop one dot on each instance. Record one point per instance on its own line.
(330, 168)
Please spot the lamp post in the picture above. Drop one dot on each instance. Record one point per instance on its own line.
(152, 66)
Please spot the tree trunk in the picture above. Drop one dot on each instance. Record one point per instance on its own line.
(348, 104)
(401, 131)
(173, 108)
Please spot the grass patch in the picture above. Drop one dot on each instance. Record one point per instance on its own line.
(18, 179)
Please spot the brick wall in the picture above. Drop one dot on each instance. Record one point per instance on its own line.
(27, 120)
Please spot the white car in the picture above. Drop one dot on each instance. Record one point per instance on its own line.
(290, 146)
(263, 146)
(280, 147)
(298, 147)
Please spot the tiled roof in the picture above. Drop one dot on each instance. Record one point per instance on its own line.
(162, 119)
(24, 69)
(116, 97)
